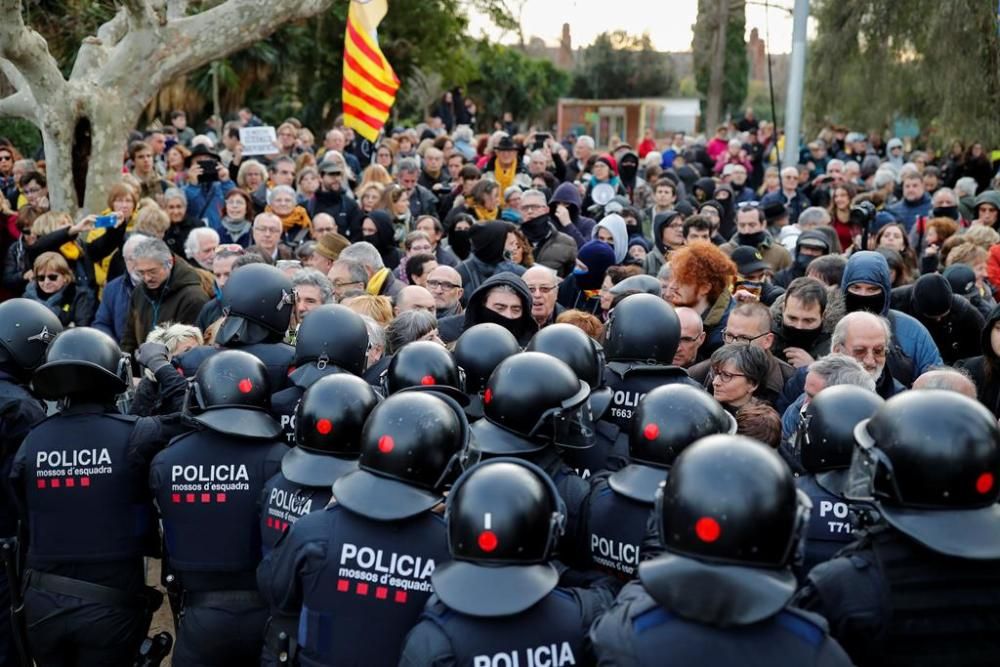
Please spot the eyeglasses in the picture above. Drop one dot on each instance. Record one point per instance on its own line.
(727, 376)
(268, 230)
(49, 277)
(337, 285)
(541, 289)
(229, 247)
(732, 338)
(688, 340)
(442, 285)
(744, 205)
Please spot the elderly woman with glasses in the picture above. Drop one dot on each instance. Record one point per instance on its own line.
(738, 370)
(53, 285)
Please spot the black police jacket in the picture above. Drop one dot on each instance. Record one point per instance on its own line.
(19, 411)
(614, 527)
(207, 487)
(277, 357)
(630, 381)
(890, 600)
(638, 631)
(284, 502)
(360, 584)
(552, 632)
(831, 521)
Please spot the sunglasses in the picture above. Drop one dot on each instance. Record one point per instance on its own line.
(743, 205)
(50, 277)
(5, 158)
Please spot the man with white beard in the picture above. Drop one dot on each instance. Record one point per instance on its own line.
(866, 338)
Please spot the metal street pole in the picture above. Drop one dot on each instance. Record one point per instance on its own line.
(796, 81)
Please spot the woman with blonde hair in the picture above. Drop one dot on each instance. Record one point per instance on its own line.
(162, 391)
(379, 308)
(251, 176)
(375, 173)
(370, 196)
(53, 285)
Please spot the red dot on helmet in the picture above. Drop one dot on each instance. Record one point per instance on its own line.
(707, 529)
(245, 386)
(984, 483)
(324, 426)
(488, 540)
(487, 396)
(385, 444)
(651, 432)
(428, 380)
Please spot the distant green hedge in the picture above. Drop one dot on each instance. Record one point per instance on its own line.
(25, 136)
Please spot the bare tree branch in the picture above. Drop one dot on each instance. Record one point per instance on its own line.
(28, 52)
(140, 14)
(113, 30)
(14, 76)
(19, 105)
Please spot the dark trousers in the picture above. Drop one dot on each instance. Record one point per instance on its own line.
(65, 631)
(277, 624)
(220, 635)
(8, 658)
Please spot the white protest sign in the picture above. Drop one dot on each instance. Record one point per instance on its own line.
(258, 140)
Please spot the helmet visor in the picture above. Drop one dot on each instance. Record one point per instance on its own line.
(570, 425)
(865, 462)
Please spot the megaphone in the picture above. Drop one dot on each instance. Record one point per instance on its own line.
(602, 194)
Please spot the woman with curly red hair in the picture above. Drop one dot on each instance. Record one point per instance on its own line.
(701, 278)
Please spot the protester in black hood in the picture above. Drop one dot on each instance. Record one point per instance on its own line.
(637, 189)
(485, 304)
(703, 190)
(724, 195)
(985, 368)
(550, 247)
(377, 229)
(809, 245)
(458, 235)
(581, 291)
(952, 321)
(488, 256)
(713, 211)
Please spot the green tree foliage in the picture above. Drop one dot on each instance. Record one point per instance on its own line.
(508, 80)
(876, 60)
(619, 65)
(737, 67)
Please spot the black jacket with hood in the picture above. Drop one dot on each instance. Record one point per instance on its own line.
(489, 241)
(582, 228)
(383, 239)
(985, 368)
(523, 328)
(956, 335)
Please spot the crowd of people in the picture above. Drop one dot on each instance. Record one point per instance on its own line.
(505, 399)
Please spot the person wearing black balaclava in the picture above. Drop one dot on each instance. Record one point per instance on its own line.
(637, 189)
(581, 291)
(802, 323)
(502, 299)
(489, 241)
(808, 246)
(550, 247)
(377, 229)
(952, 321)
(458, 235)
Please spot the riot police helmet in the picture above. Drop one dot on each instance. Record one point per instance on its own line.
(642, 328)
(668, 419)
(26, 329)
(825, 438)
(504, 518)
(232, 395)
(328, 423)
(258, 301)
(82, 362)
(728, 513)
(478, 351)
(411, 449)
(332, 336)
(581, 353)
(930, 460)
(425, 365)
(532, 401)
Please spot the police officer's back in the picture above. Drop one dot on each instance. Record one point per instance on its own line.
(328, 423)
(333, 339)
(80, 477)
(360, 570)
(582, 354)
(824, 443)
(497, 601)
(641, 337)
(258, 301)
(620, 503)
(208, 485)
(731, 521)
(478, 351)
(923, 588)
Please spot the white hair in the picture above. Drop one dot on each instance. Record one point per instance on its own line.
(363, 253)
(193, 241)
(586, 140)
(839, 337)
(966, 186)
(278, 189)
(173, 335)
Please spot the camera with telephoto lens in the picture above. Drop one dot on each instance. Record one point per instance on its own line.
(862, 214)
(209, 171)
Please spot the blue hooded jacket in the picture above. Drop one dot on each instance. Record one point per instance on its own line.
(909, 335)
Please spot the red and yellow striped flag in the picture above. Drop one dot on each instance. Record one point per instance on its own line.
(370, 85)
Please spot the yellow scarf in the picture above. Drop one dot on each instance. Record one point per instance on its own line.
(375, 283)
(70, 250)
(483, 214)
(505, 177)
(297, 218)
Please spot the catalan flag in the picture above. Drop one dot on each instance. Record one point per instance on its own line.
(370, 85)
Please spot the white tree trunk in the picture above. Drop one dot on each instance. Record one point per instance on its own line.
(115, 75)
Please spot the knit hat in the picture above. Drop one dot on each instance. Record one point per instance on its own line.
(598, 257)
(610, 161)
(330, 245)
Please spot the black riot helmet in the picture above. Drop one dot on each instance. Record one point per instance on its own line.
(424, 363)
(82, 362)
(581, 353)
(642, 328)
(532, 401)
(411, 448)
(26, 329)
(258, 301)
(504, 518)
(825, 439)
(729, 513)
(478, 351)
(668, 419)
(333, 335)
(232, 395)
(328, 424)
(930, 459)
